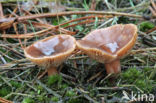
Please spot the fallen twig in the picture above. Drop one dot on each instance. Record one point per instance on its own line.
(10, 21)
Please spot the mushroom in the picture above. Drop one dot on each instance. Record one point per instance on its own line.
(51, 51)
(109, 45)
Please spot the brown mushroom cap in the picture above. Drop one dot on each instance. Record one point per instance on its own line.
(108, 44)
(51, 51)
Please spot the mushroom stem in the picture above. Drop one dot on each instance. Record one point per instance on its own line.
(113, 67)
(52, 71)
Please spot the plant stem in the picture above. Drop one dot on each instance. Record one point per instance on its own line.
(113, 67)
(52, 71)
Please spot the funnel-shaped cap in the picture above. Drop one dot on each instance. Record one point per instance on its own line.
(108, 44)
(51, 51)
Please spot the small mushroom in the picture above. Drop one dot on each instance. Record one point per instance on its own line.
(51, 52)
(109, 45)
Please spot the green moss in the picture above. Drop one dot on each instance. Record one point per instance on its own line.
(76, 101)
(4, 91)
(63, 86)
(145, 26)
(41, 98)
(54, 78)
(40, 88)
(70, 93)
(15, 84)
(145, 85)
(92, 93)
(28, 100)
(32, 93)
(56, 21)
(55, 99)
(131, 75)
(138, 78)
(147, 69)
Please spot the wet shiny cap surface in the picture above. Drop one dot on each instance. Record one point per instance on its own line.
(50, 46)
(109, 40)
